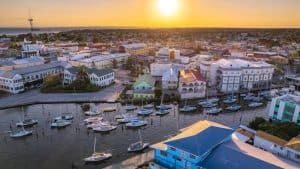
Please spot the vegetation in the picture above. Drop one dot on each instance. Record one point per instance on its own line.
(285, 130)
(114, 63)
(294, 56)
(54, 84)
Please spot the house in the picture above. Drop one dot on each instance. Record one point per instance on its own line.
(170, 79)
(285, 108)
(191, 84)
(98, 77)
(207, 144)
(144, 87)
(135, 49)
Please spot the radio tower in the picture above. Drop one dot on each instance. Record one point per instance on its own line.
(30, 20)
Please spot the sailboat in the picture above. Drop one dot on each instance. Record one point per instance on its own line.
(97, 157)
(26, 122)
(234, 107)
(187, 108)
(138, 146)
(145, 112)
(91, 113)
(134, 123)
(60, 123)
(255, 104)
(105, 127)
(21, 133)
(130, 107)
(163, 106)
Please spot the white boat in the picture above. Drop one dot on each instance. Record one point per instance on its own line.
(97, 157)
(60, 123)
(148, 106)
(255, 104)
(92, 113)
(230, 100)
(92, 120)
(209, 105)
(126, 118)
(145, 112)
(105, 128)
(21, 133)
(64, 117)
(188, 109)
(130, 108)
(97, 124)
(162, 112)
(138, 146)
(214, 111)
(136, 123)
(27, 123)
(233, 107)
(164, 107)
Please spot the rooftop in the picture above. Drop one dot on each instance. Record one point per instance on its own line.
(190, 75)
(134, 45)
(290, 98)
(145, 78)
(294, 143)
(271, 138)
(98, 72)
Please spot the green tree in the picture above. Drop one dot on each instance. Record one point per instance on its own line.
(52, 81)
(256, 122)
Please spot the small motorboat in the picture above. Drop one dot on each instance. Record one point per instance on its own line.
(65, 117)
(60, 123)
(255, 104)
(138, 146)
(229, 100)
(104, 128)
(27, 123)
(91, 113)
(130, 108)
(164, 107)
(21, 133)
(109, 109)
(188, 109)
(97, 157)
(136, 123)
(162, 112)
(145, 112)
(234, 107)
(214, 111)
(148, 106)
(92, 120)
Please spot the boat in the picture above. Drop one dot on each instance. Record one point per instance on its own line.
(64, 117)
(188, 109)
(91, 113)
(138, 146)
(60, 123)
(148, 106)
(145, 112)
(256, 99)
(136, 123)
(125, 118)
(27, 123)
(105, 128)
(97, 124)
(96, 156)
(233, 107)
(207, 101)
(130, 108)
(109, 109)
(229, 100)
(162, 112)
(164, 107)
(209, 105)
(214, 110)
(92, 120)
(255, 104)
(21, 133)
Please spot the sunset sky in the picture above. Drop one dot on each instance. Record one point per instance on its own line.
(149, 13)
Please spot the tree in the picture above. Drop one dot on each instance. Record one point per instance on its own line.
(52, 81)
(256, 122)
(114, 63)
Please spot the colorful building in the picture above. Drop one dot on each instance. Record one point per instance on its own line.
(144, 87)
(285, 108)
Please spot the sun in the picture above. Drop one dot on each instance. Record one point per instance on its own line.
(168, 7)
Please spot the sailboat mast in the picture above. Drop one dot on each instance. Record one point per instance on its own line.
(95, 145)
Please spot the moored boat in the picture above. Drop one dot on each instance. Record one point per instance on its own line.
(233, 107)
(188, 108)
(21, 133)
(214, 111)
(229, 100)
(130, 108)
(162, 112)
(136, 123)
(60, 123)
(91, 113)
(27, 123)
(255, 104)
(96, 156)
(64, 117)
(145, 112)
(104, 128)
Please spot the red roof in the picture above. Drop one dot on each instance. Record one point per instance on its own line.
(190, 75)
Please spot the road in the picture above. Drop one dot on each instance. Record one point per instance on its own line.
(109, 94)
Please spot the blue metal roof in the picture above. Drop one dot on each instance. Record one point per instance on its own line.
(227, 158)
(203, 141)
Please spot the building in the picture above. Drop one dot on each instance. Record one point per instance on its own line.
(285, 108)
(29, 49)
(21, 63)
(206, 144)
(144, 87)
(99, 61)
(232, 75)
(191, 84)
(100, 78)
(135, 49)
(15, 81)
(170, 79)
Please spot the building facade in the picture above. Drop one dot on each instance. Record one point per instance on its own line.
(135, 49)
(143, 88)
(170, 79)
(285, 108)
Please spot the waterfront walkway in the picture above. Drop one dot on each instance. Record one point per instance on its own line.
(109, 94)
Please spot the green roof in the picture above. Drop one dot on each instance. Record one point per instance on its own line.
(146, 79)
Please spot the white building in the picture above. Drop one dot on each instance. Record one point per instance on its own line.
(29, 49)
(170, 79)
(191, 84)
(230, 75)
(101, 78)
(21, 63)
(100, 61)
(15, 81)
(135, 49)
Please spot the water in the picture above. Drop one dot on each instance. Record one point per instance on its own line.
(62, 148)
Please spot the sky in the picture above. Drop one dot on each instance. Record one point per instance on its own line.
(146, 13)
